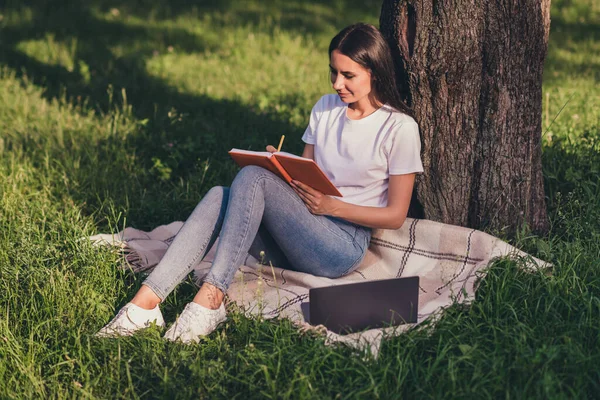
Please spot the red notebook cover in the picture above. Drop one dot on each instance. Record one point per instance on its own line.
(287, 166)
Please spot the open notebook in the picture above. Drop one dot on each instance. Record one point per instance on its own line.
(287, 166)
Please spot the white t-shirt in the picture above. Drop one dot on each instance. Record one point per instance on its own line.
(358, 156)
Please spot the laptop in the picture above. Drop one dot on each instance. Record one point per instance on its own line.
(358, 306)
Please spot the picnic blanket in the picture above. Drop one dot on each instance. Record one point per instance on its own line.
(448, 259)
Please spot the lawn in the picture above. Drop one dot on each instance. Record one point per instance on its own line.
(120, 113)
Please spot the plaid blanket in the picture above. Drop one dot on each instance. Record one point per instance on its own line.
(448, 259)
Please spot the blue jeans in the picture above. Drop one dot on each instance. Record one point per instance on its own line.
(260, 212)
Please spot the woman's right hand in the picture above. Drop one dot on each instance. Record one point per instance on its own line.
(271, 149)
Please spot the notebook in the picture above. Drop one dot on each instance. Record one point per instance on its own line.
(364, 305)
(287, 166)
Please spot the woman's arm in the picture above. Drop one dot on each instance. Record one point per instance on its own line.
(390, 217)
(309, 151)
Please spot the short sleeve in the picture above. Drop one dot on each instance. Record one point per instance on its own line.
(309, 133)
(404, 155)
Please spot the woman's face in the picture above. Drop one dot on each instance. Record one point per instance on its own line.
(349, 79)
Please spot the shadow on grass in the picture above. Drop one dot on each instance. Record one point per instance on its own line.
(182, 135)
(296, 16)
(96, 38)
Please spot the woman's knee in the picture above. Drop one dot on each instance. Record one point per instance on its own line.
(213, 201)
(216, 193)
(250, 174)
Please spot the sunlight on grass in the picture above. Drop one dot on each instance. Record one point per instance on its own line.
(251, 68)
(121, 113)
(50, 51)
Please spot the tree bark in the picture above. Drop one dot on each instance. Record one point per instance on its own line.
(472, 71)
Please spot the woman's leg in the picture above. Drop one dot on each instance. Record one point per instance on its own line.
(192, 242)
(314, 244)
(264, 248)
(190, 245)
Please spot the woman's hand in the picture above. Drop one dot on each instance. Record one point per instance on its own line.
(316, 202)
(271, 149)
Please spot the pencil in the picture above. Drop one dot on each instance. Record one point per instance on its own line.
(280, 143)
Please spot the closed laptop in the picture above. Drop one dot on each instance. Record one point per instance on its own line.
(364, 305)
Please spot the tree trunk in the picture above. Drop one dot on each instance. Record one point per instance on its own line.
(473, 75)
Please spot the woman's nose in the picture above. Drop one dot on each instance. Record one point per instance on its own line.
(338, 82)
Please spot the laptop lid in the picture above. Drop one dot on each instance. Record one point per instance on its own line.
(364, 305)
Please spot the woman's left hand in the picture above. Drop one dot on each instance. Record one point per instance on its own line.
(316, 202)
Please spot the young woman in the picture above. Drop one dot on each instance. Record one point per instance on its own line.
(368, 145)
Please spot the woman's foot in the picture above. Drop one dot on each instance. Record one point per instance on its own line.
(130, 319)
(195, 321)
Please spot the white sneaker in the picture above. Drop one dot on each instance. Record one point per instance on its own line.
(195, 321)
(130, 319)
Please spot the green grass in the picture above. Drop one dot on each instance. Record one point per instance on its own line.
(118, 114)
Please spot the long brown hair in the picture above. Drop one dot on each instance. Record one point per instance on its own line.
(366, 46)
